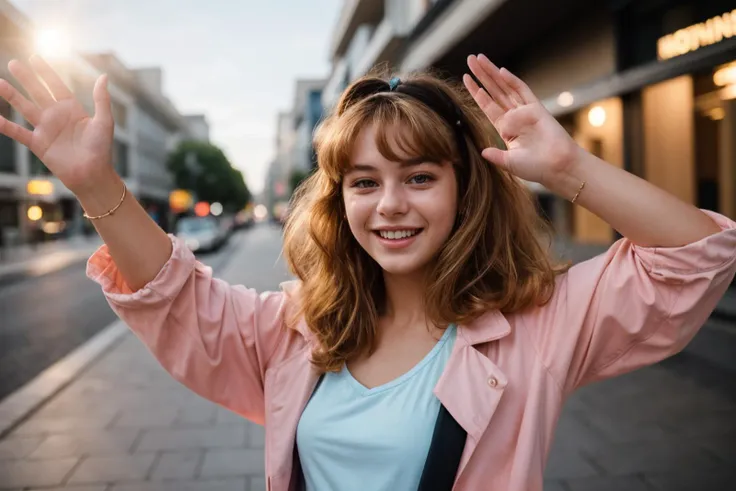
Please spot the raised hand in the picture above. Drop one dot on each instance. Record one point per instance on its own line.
(538, 146)
(73, 145)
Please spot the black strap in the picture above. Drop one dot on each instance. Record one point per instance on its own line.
(443, 459)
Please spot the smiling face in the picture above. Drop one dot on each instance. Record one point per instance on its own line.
(400, 212)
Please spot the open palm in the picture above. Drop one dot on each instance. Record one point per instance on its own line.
(72, 144)
(538, 146)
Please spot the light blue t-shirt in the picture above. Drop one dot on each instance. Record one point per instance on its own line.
(351, 438)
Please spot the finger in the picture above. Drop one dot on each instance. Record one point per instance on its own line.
(16, 132)
(57, 86)
(497, 157)
(521, 89)
(26, 108)
(495, 73)
(484, 101)
(486, 79)
(31, 83)
(101, 96)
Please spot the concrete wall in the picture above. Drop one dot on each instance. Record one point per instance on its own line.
(606, 142)
(575, 55)
(669, 136)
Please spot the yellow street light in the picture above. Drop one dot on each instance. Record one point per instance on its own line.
(35, 213)
(40, 187)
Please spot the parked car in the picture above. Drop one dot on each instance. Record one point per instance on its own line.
(201, 234)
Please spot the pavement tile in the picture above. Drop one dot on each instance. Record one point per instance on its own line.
(256, 436)
(177, 465)
(238, 484)
(550, 485)
(85, 442)
(568, 464)
(198, 415)
(113, 468)
(16, 473)
(17, 448)
(93, 487)
(635, 458)
(258, 484)
(721, 479)
(618, 483)
(233, 462)
(145, 418)
(41, 426)
(227, 416)
(188, 438)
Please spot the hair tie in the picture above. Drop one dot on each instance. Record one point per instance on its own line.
(393, 83)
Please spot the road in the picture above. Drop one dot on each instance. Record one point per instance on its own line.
(43, 318)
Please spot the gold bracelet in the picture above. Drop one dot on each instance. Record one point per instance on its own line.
(578, 193)
(113, 210)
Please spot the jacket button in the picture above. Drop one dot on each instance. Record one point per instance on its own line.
(492, 381)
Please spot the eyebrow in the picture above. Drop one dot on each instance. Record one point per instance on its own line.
(403, 164)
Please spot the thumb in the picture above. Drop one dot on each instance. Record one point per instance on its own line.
(101, 96)
(497, 157)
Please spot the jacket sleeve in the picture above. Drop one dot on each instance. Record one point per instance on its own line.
(631, 306)
(214, 338)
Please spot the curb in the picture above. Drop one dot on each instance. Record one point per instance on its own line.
(22, 403)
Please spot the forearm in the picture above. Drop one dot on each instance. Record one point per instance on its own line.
(639, 210)
(136, 243)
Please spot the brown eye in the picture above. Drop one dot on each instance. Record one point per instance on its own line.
(363, 183)
(422, 179)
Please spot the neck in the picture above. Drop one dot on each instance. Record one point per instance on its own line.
(404, 299)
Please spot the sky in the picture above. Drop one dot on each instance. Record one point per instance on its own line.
(233, 60)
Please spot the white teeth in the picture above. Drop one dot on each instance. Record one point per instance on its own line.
(397, 234)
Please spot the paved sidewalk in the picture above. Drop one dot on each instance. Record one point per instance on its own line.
(46, 257)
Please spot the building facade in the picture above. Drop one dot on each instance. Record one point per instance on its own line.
(33, 204)
(648, 85)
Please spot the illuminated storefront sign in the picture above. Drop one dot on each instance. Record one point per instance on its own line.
(697, 36)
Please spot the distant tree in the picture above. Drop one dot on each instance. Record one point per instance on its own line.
(204, 169)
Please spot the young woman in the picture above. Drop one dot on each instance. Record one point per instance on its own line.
(421, 284)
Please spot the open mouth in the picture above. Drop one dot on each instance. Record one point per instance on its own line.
(397, 234)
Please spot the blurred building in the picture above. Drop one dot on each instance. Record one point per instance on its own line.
(370, 34)
(33, 204)
(648, 85)
(199, 128)
(294, 153)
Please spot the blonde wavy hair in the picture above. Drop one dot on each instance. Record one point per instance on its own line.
(493, 259)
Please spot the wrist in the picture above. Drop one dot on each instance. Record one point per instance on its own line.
(567, 181)
(101, 194)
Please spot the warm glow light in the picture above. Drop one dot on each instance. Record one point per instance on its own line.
(42, 188)
(565, 99)
(52, 43)
(216, 209)
(202, 209)
(180, 200)
(35, 213)
(597, 116)
(728, 93)
(716, 114)
(260, 212)
(725, 75)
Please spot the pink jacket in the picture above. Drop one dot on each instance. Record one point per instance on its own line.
(507, 377)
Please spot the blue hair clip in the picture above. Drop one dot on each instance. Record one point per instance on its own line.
(393, 83)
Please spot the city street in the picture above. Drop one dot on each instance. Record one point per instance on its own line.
(124, 424)
(43, 318)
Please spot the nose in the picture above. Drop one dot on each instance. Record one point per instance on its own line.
(393, 201)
